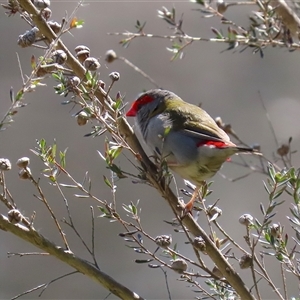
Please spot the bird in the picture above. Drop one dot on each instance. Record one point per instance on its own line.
(184, 135)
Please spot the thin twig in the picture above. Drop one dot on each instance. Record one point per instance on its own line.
(141, 72)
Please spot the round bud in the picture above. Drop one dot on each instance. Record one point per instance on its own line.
(110, 56)
(163, 241)
(82, 118)
(55, 26)
(23, 162)
(221, 6)
(14, 216)
(200, 244)
(41, 4)
(179, 265)
(114, 76)
(5, 164)
(276, 230)
(82, 47)
(46, 13)
(101, 84)
(25, 173)
(28, 38)
(59, 57)
(283, 150)
(74, 81)
(245, 261)
(92, 64)
(83, 55)
(246, 219)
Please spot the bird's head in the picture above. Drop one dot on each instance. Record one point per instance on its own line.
(149, 103)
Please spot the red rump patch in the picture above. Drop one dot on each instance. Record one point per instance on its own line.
(217, 144)
(136, 105)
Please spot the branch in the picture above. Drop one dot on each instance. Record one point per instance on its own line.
(82, 266)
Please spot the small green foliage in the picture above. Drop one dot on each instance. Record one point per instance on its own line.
(132, 209)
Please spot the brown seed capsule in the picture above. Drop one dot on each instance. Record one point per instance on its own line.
(41, 4)
(83, 55)
(23, 162)
(101, 84)
(47, 13)
(82, 47)
(221, 6)
(25, 173)
(114, 76)
(55, 26)
(92, 64)
(179, 265)
(5, 164)
(245, 261)
(14, 216)
(163, 241)
(283, 150)
(276, 230)
(246, 219)
(200, 244)
(73, 82)
(28, 38)
(82, 118)
(59, 57)
(110, 56)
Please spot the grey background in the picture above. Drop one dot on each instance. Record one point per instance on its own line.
(226, 84)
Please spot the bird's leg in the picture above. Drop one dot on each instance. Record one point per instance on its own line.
(189, 206)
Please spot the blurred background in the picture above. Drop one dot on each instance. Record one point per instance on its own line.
(227, 84)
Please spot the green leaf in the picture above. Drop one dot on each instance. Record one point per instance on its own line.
(107, 182)
(266, 188)
(19, 95)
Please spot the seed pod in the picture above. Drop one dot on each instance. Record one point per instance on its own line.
(14, 216)
(81, 47)
(55, 26)
(110, 56)
(276, 230)
(59, 57)
(92, 64)
(114, 76)
(41, 4)
(283, 150)
(246, 219)
(28, 38)
(82, 118)
(5, 164)
(83, 55)
(200, 244)
(163, 241)
(179, 265)
(23, 162)
(221, 6)
(245, 261)
(25, 173)
(46, 13)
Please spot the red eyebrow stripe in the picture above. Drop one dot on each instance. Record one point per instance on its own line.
(217, 144)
